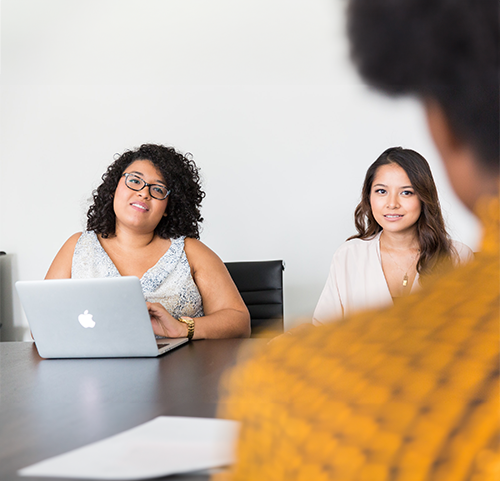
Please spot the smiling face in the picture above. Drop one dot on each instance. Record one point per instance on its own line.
(394, 203)
(137, 209)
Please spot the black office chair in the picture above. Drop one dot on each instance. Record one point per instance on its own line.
(261, 286)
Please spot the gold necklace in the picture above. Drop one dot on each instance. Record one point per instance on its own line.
(405, 277)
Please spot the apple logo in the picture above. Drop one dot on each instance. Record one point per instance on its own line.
(86, 320)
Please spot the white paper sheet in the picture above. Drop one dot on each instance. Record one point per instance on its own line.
(163, 446)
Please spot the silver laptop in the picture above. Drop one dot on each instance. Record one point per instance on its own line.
(81, 318)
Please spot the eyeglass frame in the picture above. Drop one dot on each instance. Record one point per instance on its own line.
(126, 174)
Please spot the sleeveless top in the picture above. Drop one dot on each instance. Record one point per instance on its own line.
(168, 282)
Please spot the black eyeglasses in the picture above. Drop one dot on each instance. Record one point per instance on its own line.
(157, 191)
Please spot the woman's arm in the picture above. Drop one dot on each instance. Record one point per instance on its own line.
(61, 265)
(226, 315)
(329, 307)
(463, 254)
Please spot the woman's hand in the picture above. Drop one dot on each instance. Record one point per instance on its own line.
(163, 323)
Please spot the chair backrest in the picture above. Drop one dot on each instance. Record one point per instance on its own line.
(261, 286)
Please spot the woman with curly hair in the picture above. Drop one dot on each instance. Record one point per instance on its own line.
(144, 222)
(401, 239)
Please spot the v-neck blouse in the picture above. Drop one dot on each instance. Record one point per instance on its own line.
(356, 280)
(168, 282)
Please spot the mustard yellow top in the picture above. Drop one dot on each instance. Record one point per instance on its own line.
(409, 393)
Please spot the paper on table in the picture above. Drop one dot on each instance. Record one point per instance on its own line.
(163, 446)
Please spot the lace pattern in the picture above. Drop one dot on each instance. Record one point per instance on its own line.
(168, 282)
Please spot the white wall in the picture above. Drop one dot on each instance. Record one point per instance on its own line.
(261, 92)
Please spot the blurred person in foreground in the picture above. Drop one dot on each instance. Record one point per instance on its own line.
(410, 392)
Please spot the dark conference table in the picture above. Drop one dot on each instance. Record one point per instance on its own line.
(49, 407)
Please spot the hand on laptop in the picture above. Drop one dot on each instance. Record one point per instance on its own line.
(164, 324)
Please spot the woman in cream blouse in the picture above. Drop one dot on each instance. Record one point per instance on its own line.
(401, 239)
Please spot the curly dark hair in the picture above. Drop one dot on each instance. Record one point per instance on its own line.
(183, 180)
(441, 50)
(436, 248)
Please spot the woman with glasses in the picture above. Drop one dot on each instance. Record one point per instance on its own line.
(144, 222)
(401, 239)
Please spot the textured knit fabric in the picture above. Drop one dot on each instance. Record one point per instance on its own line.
(356, 280)
(168, 282)
(408, 393)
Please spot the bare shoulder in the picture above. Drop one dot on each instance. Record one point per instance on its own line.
(61, 265)
(71, 242)
(196, 248)
(68, 247)
(463, 253)
(200, 256)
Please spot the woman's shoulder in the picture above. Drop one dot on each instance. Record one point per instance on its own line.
(463, 252)
(357, 244)
(70, 247)
(195, 247)
(61, 265)
(86, 240)
(73, 240)
(191, 243)
(197, 250)
(201, 257)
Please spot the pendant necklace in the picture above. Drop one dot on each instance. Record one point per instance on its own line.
(405, 278)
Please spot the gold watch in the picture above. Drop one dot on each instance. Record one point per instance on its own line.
(189, 321)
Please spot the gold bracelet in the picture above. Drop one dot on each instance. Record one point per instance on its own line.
(189, 321)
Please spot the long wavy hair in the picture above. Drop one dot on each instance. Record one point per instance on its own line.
(182, 178)
(436, 248)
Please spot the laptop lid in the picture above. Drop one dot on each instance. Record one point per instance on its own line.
(81, 318)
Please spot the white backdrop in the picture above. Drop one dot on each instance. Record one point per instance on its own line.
(262, 94)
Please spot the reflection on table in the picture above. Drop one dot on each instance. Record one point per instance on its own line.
(48, 407)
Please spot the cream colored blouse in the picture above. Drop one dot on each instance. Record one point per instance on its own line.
(356, 280)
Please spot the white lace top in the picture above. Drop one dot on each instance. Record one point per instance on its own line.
(168, 282)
